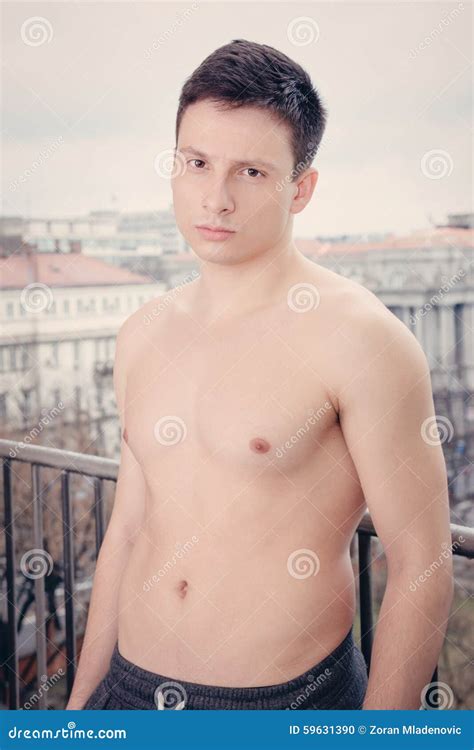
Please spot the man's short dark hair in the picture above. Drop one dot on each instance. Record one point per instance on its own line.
(244, 73)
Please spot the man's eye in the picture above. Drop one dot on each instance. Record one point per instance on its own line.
(199, 160)
(252, 169)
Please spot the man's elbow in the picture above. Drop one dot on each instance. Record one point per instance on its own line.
(435, 580)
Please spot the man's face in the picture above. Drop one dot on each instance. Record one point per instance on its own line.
(233, 170)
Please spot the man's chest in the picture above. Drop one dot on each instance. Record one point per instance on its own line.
(246, 398)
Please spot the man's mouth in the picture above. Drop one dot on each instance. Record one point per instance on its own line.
(214, 232)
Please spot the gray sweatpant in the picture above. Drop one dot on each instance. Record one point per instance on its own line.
(339, 681)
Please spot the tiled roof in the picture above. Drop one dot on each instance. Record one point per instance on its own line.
(427, 238)
(63, 270)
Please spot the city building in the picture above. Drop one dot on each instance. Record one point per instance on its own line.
(61, 313)
(145, 242)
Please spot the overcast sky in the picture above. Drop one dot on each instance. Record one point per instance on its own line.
(90, 92)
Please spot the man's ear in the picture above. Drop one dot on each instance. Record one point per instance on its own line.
(304, 188)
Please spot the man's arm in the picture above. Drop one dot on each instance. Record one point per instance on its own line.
(387, 418)
(125, 520)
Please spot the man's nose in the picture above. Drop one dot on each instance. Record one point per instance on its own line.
(217, 197)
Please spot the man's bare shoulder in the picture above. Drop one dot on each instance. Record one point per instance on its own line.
(139, 327)
(357, 311)
(371, 328)
(363, 335)
(337, 291)
(150, 315)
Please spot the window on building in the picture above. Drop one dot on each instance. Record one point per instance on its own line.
(77, 353)
(77, 398)
(54, 354)
(45, 245)
(25, 359)
(3, 406)
(12, 351)
(25, 406)
(412, 318)
(459, 333)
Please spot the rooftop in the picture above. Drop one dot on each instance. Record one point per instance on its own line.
(437, 237)
(63, 270)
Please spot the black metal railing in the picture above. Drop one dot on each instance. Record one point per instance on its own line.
(69, 463)
(100, 470)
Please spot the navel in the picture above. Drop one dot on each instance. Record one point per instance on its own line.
(182, 588)
(259, 445)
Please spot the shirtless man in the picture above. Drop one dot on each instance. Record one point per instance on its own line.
(263, 407)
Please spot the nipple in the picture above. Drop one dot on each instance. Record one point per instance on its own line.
(259, 445)
(182, 588)
(125, 435)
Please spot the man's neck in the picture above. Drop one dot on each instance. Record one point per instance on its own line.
(230, 291)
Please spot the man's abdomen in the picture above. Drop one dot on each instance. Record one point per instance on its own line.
(208, 607)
